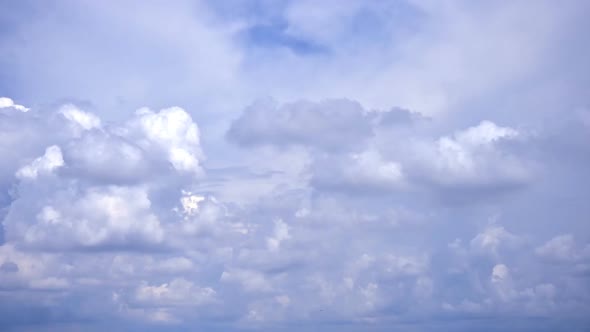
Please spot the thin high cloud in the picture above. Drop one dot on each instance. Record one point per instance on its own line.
(375, 165)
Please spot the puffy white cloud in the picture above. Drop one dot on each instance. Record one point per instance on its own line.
(96, 154)
(472, 158)
(206, 216)
(492, 238)
(358, 171)
(94, 218)
(79, 119)
(350, 228)
(50, 161)
(170, 131)
(100, 196)
(562, 248)
(387, 151)
(21, 142)
(500, 273)
(321, 212)
(117, 154)
(6, 102)
(169, 303)
(190, 203)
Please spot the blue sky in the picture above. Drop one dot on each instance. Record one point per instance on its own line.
(294, 165)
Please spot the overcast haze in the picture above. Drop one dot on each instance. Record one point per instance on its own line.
(329, 165)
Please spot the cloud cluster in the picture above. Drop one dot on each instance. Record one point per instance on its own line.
(353, 148)
(368, 231)
(356, 166)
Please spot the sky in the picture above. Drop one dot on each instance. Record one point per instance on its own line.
(294, 165)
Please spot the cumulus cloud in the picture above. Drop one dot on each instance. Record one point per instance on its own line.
(493, 238)
(111, 216)
(329, 125)
(100, 198)
(563, 248)
(6, 102)
(95, 154)
(79, 119)
(366, 170)
(170, 131)
(472, 157)
(347, 234)
(418, 165)
(51, 160)
(386, 150)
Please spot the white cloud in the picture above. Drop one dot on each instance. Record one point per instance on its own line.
(6, 102)
(206, 216)
(352, 149)
(492, 238)
(473, 157)
(280, 234)
(95, 155)
(79, 119)
(107, 217)
(50, 161)
(405, 265)
(179, 292)
(323, 212)
(446, 64)
(121, 210)
(561, 248)
(190, 203)
(142, 146)
(190, 43)
(26, 266)
(173, 132)
(332, 125)
(500, 273)
(365, 170)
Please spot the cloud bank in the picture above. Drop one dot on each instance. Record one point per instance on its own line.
(395, 223)
(376, 165)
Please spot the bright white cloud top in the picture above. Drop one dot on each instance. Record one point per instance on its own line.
(299, 166)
